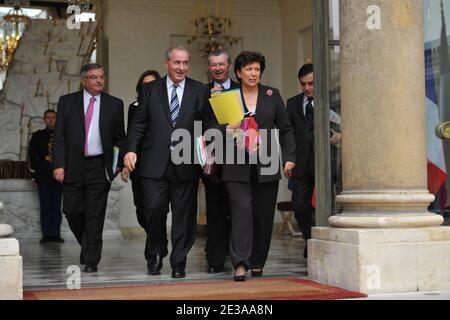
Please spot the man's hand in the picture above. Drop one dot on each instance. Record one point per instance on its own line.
(58, 174)
(124, 174)
(335, 137)
(288, 167)
(130, 161)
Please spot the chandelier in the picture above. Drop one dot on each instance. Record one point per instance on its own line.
(212, 32)
(14, 23)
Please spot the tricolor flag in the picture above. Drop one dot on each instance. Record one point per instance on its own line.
(437, 72)
(437, 172)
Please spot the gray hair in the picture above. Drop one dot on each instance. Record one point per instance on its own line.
(219, 52)
(168, 53)
(88, 67)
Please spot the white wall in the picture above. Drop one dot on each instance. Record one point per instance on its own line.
(137, 32)
(296, 26)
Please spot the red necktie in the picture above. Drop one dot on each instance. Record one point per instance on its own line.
(87, 123)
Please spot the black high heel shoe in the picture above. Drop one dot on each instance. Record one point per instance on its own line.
(240, 277)
(257, 273)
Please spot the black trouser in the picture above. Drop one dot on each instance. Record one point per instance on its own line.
(182, 196)
(217, 222)
(136, 186)
(252, 214)
(50, 196)
(137, 198)
(301, 202)
(85, 206)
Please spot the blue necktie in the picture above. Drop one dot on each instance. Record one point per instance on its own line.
(174, 105)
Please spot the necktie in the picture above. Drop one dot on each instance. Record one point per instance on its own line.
(309, 113)
(87, 123)
(174, 105)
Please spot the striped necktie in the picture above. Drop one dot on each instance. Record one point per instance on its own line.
(174, 105)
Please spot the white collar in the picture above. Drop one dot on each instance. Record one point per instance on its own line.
(170, 83)
(88, 95)
(226, 84)
(305, 100)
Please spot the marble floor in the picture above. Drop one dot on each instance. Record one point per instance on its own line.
(51, 265)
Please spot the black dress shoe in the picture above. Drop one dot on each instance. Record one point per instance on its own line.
(44, 240)
(58, 239)
(241, 276)
(155, 265)
(257, 273)
(215, 269)
(178, 273)
(305, 252)
(90, 269)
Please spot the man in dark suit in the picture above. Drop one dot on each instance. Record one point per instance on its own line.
(89, 132)
(217, 204)
(169, 104)
(40, 155)
(300, 110)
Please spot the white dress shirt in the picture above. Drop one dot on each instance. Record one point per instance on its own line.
(94, 140)
(226, 85)
(180, 90)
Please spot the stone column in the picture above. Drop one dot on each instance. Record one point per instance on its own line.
(10, 265)
(385, 226)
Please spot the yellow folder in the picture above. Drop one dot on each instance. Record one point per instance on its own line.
(228, 106)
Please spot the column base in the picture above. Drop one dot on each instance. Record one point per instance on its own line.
(11, 278)
(381, 260)
(386, 221)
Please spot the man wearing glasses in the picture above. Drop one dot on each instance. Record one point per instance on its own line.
(89, 125)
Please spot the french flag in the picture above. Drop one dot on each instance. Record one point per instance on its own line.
(437, 172)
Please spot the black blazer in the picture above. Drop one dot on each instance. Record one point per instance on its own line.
(304, 138)
(132, 111)
(270, 114)
(40, 155)
(68, 152)
(151, 129)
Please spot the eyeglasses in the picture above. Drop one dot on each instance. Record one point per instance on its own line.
(215, 65)
(95, 77)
